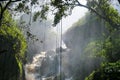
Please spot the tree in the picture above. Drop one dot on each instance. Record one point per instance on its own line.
(119, 1)
(4, 7)
(61, 8)
(101, 8)
(2, 51)
(107, 71)
(13, 47)
(20, 6)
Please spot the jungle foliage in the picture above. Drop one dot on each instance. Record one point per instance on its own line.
(108, 71)
(13, 43)
(61, 8)
(106, 47)
(109, 47)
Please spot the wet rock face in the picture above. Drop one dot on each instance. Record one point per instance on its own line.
(44, 64)
(49, 65)
(76, 39)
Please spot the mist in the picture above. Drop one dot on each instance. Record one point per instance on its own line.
(77, 38)
(74, 59)
(60, 40)
(76, 63)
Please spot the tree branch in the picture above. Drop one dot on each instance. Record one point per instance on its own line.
(6, 6)
(101, 16)
(15, 0)
(0, 6)
(2, 51)
(81, 5)
(119, 1)
(3, 10)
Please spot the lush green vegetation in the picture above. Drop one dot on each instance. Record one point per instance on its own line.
(107, 71)
(108, 48)
(101, 40)
(13, 43)
(110, 68)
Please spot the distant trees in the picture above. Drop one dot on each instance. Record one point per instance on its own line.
(107, 48)
(109, 51)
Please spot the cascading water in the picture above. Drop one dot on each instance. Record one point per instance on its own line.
(30, 68)
(73, 64)
(44, 66)
(77, 62)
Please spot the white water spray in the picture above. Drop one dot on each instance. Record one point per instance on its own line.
(30, 68)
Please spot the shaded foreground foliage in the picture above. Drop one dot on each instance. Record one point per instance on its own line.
(13, 43)
(108, 71)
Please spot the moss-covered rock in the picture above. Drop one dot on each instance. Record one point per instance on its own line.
(12, 47)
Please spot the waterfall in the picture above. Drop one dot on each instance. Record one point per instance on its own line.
(44, 66)
(30, 68)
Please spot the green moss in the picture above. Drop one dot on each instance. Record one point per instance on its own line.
(14, 44)
(13, 33)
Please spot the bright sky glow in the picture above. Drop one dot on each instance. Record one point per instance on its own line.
(77, 13)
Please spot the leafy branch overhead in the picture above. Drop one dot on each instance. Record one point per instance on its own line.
(102, 8)
(41, 13)
(61, 8)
